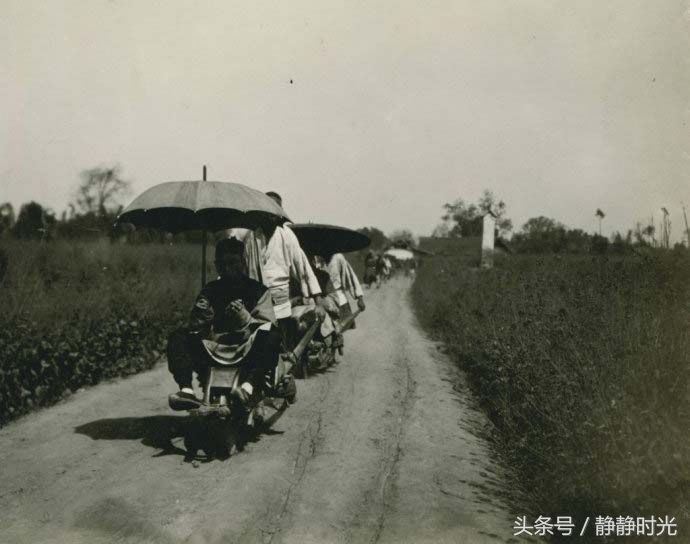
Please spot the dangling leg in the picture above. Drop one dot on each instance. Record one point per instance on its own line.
(185, 356)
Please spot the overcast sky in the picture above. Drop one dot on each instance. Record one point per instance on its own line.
(394, 108)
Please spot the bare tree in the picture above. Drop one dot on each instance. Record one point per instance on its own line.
(600, 214)
(465, 219)
(442, 230)
(649, 231)
(100, 190)
(489, 203)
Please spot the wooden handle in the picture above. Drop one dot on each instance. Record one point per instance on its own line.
(311, 331)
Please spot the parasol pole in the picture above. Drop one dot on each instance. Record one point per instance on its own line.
(203, 248)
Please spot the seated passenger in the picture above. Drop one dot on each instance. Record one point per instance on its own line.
(330, 284)
(336, 277)
(327, 334)
(304, 309)
(344, 281)
(231, 321)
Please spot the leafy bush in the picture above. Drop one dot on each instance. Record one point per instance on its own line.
(75, 314)
(582, 364)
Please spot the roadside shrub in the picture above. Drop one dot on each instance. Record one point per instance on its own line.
(74, 314)
(582, 365)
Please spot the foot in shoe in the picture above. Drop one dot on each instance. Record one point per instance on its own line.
(243, 392)
(183, 400)
(187, 393)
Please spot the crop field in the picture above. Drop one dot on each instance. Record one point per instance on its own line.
(583, 365)
(74, 314)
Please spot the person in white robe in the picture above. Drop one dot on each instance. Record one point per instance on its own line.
(274, 257)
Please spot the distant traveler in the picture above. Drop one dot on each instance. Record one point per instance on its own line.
(380, 270)
(370, 268)
(388, 267)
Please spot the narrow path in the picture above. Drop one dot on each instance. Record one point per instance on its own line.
(379, 449)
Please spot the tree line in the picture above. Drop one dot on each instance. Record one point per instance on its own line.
(95, 205)
(91, 213)
(546, 235)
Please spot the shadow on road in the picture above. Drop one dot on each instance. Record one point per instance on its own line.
(155, 432)
(160, 433)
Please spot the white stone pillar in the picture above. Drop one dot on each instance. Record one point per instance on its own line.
(488, 230)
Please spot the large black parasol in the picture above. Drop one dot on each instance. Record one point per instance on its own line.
(329, 239)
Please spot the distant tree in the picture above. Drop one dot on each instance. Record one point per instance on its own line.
(600, 244)
(34, 221)
(619, 244)
(442, 230)
(7, 218)
(96, 204)
(601, 216)
(100, 191)
(466, 219)
(540, 225)
(577, 241)
(540, 235)
(377, 237)
(402, 238)
(489, 203)
(545, 235)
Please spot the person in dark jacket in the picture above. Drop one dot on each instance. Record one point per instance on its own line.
(232, 321)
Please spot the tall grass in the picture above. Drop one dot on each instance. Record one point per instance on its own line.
(76, 313)
(583, 364)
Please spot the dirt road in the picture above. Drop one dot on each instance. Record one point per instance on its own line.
(378, 449)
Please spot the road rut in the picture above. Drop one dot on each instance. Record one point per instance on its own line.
(381, 448)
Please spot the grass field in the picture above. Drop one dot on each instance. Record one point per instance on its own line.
(583, 366)
(74, 314)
